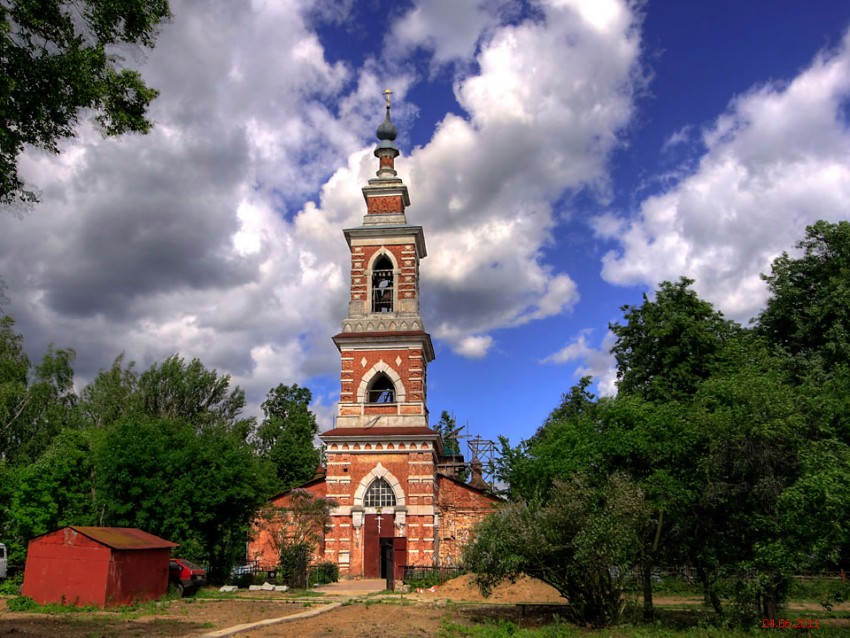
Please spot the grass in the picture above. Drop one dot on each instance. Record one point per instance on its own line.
(822, 590)
(146, 608)
(559, 629)
(672, 621)
(210, 593)
(27, 604)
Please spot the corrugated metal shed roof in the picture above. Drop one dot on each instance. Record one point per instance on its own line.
(124, 537)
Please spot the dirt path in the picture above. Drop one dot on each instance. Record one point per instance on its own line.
(359, 621)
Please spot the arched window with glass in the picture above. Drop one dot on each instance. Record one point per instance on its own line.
(379, 494)
(382, 285)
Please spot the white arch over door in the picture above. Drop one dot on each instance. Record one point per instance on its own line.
(379, 471)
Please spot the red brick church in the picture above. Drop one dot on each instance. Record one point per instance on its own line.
(398, 500)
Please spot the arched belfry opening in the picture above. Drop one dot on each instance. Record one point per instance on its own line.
(382, 285)
(381, 390)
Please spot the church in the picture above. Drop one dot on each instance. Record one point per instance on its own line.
(399, 501)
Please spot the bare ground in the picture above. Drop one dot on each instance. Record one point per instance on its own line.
(416, 615)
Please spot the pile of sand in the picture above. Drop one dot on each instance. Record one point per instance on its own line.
(524, 590)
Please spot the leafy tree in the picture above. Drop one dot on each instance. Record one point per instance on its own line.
(286, 435)
(54, 491)
(573, 404)
(531, 468)
(295, 529)
(175, 389)
(57, 59)
(669, 344)
(808, 312)
(171, 390)
(815, 510)
(650, 442)
(112, 395)
(582, 540)
(753, 429)
(35, 403)
(197, 488)
(14, 381)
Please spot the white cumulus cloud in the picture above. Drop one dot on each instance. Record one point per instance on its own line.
(777, 160)
(598, 363)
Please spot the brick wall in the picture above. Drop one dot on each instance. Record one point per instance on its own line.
(385, 205)
(262, 547)
(408, 363)
(461, 509)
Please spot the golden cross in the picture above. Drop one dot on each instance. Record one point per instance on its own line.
(387, 94)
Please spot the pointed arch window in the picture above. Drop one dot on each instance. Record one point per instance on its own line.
(379, 494)
(382, 285)
(382, 390)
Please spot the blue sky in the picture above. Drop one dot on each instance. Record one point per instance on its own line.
(562, 156)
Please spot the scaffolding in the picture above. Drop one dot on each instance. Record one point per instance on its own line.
(484, 451)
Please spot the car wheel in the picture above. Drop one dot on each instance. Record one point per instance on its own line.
(181, 590)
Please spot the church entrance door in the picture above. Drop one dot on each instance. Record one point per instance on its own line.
(377, 526)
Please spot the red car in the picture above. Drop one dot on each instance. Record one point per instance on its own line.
(187, 577)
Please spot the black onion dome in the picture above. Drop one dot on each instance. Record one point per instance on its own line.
(387, 130)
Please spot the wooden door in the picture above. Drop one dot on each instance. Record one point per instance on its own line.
(376, 527)
(387, 571)
(399, 557)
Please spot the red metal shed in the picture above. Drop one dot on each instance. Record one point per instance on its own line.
(104, 566)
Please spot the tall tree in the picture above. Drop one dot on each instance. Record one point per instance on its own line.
(286, 434)
(808, 312)
(175, 389)
(668, 344)
(36, 403)
(57, 60)
(198, 488)
(753, 429)
(112, 396)
(53, 491)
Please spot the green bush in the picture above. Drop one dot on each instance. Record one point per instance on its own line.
(293, 565)
(11, 586)
(324, 573)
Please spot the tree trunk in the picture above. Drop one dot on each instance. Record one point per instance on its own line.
(710, 596)
(646, 576)
(646, 570)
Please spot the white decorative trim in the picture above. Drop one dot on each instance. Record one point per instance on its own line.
(378, 368)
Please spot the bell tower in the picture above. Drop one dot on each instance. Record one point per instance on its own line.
(381, 455)
(385, 350)
(393, 507)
